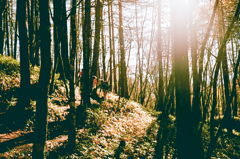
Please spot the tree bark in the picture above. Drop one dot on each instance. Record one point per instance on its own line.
(44, 80)
(64, 39)
(185, 146)
(110, 44)
(95, 63)
(113, 53)
(15, 35)
(103, 50)
(2, 8)
(159, 53)
(228, 109)
(24, 98)
(86, 53)
(72, 116)
(30, 26)
(123, 76)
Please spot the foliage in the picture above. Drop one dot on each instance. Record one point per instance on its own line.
(227, 146)
(10, 82)
(59, 95)
(8, 65)
(112, 122)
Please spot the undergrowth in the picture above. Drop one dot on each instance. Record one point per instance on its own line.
(106, 126)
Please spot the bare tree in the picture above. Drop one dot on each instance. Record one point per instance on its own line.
(24, 98)
(185, 146)
(123, 71)
(44, 80)
(72, 115)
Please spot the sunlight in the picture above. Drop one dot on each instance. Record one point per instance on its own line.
(163, 73)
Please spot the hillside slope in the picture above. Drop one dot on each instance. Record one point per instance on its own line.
(108, 124)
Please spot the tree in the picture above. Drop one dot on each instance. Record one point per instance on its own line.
(72, 116)
(24, 96)
(95, 63)
(15, 36)
(159, 53)
(185, 147)
(37, 38)
(44, 80)
(64, 40)
(2, 8)
(227, 113)
(57, 60)
(123, 70)
(110, 44)
(31, 31)
(103, 49)
(113, 52)
(159, 147)
(86, 53)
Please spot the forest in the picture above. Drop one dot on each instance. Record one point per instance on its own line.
(120, 79)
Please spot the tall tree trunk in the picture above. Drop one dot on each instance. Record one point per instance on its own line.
(64, 39)
(56, 30)
(123, 76)
(11, 30)
(185, 146)
(225, 75)
(15, 35)
(31, 29)
(2, 8)
(139, 57)
(72, 116)
(113, 52)
(196, 103)
(110, 43)
(103, 50)
(44, 80)
(7, 35)
(228, 109)
(159, 53)
(37, 36)
(86, 53)
(95, 63)
(24, 100)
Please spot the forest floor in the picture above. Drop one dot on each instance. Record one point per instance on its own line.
(111, 129)
(106, 126)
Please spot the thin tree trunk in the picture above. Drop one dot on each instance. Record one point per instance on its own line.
(64, 39)
(113, 52)
(37, 38)
(7, 35)
(196, 103)
(159, 53)
(30, 26)
(44, 80)
(138, 56)
(72, 116)
(15, 35)
(24, 99)
(103, 50)
(86, 53)
(110, 43)
(2, 8)
(218, 62)
(95, 63)
(124, 86)
(225, 74)
(57, 12)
